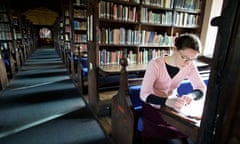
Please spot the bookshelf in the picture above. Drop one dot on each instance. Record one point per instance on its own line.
(66, 35)
(18, 39)
(79, 15)
(58, 35)
(71, 37)
(30, 46)
(79, 50)
(138, 30)
(7, 47)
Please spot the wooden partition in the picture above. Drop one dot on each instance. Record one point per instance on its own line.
(3, 74)
(122, 114)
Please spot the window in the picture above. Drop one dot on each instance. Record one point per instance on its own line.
(209, 33)
(45, 33)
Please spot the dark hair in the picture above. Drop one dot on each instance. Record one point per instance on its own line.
(188, 41)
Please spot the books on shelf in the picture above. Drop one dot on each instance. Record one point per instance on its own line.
(185, 19)
(122, 36)
(79, 13)
(151, 17)
(159, 3)
(78, 48)
(80, 2)
(79, 25)
(115, 11)
(109, 56)
(193, 5)
(146, 30)
(80, 38)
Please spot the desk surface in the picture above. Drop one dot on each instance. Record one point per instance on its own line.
(115, 68)
(186, 125)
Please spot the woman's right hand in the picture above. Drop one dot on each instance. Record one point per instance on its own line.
(179, 103)
(183, 101)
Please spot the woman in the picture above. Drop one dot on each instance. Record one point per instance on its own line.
(161, 79)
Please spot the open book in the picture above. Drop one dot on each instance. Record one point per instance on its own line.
(193, 110)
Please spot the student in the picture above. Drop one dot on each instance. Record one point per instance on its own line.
(162, 77)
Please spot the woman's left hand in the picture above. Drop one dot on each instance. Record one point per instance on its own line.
(187, 99)
(183, 101)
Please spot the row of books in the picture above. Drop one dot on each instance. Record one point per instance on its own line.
(131, 1)
(126, 13)
(163, 17)
(134, 37)
(79, 13)
(159, 3)
(178, 4)
(5, 35)
(79, 25)
(188, 4)
(4, 27)
(118, 36)
(78, 38)
(17, 35)
(80, 2)
(141, 57)
(78, 48)
(185, 19)
(110, 10)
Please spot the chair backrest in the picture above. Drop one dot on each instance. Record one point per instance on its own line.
(186, 86)
(134, 93)
(84, 61)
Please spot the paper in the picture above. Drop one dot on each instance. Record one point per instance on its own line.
(194, 109)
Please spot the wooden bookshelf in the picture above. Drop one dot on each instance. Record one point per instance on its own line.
(59, 36)
(20, 50)
(63, 32)
(7, 45)
(71, 41)
(79, 9)
(138, 30)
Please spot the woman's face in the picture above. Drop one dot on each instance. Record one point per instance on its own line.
(185, 57)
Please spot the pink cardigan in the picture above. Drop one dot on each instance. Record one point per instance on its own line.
(158, 82)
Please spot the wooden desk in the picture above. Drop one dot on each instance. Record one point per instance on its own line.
(116, 69)
(188, 126)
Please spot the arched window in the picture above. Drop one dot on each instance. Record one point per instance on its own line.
(45, 33)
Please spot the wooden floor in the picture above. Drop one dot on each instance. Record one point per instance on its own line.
(106, 124)
(107, 95)
(105, 121)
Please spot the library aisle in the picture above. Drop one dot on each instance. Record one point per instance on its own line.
(41, 105)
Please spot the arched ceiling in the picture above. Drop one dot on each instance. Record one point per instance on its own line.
(39, 12)
(41, 16)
